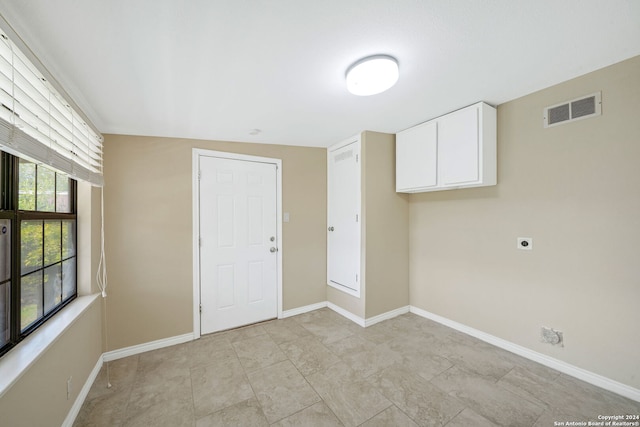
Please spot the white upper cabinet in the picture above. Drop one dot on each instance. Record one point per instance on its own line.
(416, 156)
(457, 150)
(459, 147)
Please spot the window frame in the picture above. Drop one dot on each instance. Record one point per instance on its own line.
(9, 203)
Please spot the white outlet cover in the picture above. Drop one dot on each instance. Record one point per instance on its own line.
(525, 243)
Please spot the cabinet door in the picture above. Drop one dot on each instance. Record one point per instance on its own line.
(458, 147)
(343, 215)
(416, 157)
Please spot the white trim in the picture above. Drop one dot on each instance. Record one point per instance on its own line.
(303, 309)
(17, 361)
(195, 252)
(280, 241)
(77, 405)
(196, 153)
(344, 313)
(386, 316)
(141, 348)
(559, 365)
(371, 320)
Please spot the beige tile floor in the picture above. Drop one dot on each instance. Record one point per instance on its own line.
(320, 369)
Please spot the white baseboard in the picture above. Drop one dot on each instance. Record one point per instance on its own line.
(302, 310)
(559, 365)
(371, 320)
(77, 405)
(114, 355)
(344, 313)
(141, 348)
(385, 316)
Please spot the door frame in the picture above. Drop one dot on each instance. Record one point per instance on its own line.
(195, 191)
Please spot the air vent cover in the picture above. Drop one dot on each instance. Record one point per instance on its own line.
(577, 109)
(343, 156)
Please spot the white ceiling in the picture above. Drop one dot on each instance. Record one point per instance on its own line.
(217, 69)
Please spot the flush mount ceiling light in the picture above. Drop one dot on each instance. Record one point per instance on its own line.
(372, 75)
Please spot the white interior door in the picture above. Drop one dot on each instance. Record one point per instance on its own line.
(238, 243)
(343, 217)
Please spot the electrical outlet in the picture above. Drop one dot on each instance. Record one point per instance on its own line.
(551, 336)
(525, 243)
(69, 385)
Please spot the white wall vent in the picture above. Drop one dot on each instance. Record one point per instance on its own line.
(577, 109)
(343, 156)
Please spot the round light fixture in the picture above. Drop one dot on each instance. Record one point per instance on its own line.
(372, 75)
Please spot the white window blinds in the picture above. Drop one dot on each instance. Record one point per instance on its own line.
(37, 123)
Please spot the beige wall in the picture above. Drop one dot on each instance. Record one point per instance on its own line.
(575, 189)
(148, 219)
(386, 225)
(39, 398)
(385, 239)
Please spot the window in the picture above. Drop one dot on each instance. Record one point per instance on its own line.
(37, 246)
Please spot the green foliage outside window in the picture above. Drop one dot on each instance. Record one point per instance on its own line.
(42, 211)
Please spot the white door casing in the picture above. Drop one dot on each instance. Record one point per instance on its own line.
(237, 234)
(343, 216)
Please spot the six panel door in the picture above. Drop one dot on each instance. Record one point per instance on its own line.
(238, 229)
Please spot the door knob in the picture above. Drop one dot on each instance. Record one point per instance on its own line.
(272, 238)
(331, 228)
(273, 249)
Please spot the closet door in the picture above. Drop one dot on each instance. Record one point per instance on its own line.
(343, 217)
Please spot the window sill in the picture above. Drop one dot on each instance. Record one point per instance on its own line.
(20, 358)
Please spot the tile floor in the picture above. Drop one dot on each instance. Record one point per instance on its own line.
(320, 369)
